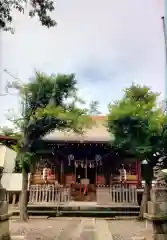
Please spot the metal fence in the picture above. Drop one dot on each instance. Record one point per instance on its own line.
(50, 194)
(117, 194)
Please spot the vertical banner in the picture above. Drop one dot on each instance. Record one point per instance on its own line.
(165, 36)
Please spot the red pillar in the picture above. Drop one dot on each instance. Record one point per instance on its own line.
(138, 172)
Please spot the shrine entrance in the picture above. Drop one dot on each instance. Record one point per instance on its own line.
(91, 175)
(86, 173)
(80, 174)
(85, 170)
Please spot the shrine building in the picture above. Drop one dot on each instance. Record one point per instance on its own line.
(76, 160)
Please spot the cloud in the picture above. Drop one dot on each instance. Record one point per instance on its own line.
(107, 44)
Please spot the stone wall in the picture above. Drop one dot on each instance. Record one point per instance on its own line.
(4, 216)
(157, 212)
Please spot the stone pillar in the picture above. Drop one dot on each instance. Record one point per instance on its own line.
(157, 213)
(4, 216)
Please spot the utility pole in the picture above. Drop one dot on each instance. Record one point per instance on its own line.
(1, 81)
(164, 21)
(165, 43)
(8, 84)
(3, 92)
(2, 25)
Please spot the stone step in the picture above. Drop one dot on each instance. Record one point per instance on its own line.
(17, 237)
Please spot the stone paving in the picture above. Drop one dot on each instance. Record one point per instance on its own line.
(78, 229)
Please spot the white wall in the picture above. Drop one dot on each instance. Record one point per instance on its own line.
(12, 181)
(2, 155)
(7, 159)
(9, 162)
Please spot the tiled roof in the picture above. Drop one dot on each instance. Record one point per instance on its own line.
(98, 133)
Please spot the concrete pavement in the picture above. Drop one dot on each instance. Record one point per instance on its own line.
(77, 229)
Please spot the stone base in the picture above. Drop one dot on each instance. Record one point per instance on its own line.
(4, 227)
(4, 230)
(138, 238)
(159, 194)
(17, 237)
(157, 208)
(160, 237)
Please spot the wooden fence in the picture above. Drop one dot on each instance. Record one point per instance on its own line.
(123, 194)
(117, 194)
(50, 194)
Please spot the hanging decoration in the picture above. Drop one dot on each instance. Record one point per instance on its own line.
(76, 164)
(45, 174)
(123, 175)
(70, 158)
(98, 159)
(86, 163)
(82, 164)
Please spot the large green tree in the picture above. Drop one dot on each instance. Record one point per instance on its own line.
(47, 103)
(39, 8)
(137, 124)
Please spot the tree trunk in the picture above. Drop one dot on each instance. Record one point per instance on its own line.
(145, 199)
(32, 171)
(25, 169)
(24, 196)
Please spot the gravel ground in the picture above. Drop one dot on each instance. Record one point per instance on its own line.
(125, 229)
(78, 229)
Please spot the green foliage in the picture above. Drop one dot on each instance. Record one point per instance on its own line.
(39, 8)
(24, 160)
(48, 103)
(137, 123)
(18, 167)
(94, 108)
(17, 136)
(163, 139)
(6, 131)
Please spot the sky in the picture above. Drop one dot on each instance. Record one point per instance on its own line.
(108, 45)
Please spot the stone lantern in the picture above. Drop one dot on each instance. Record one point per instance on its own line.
(157, 207)
(4, 216)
